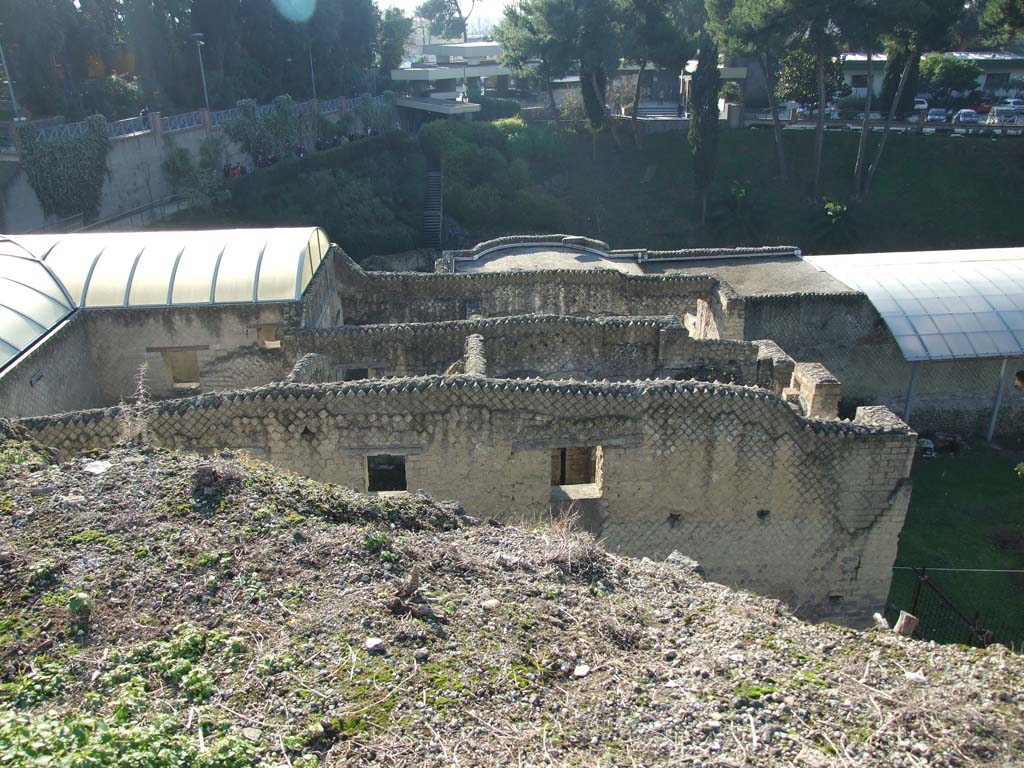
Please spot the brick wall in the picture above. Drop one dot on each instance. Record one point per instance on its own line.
(770, 501)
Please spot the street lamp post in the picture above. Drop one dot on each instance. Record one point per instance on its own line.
(10, 82)
(198, 37)
(312, 74)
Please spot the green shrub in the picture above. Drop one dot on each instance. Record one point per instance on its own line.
(114, 97)
(496, 109)
(367, 194)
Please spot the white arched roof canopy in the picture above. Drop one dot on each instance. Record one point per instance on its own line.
(942, 305)
(32, 301)
(153, 269)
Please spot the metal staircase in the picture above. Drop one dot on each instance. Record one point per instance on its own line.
(433, 212)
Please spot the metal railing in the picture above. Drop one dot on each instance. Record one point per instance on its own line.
(65, 131)
(128, 127)
(183, 122)
(940, 618)
(218, 119)
(170, 123)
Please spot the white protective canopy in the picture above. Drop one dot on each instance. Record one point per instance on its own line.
(942, 305)
(152, 269)
(45, 278)
(32, 301)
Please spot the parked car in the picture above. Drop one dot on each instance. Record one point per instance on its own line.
(1002, 116)
(1015, 103)
(966, 116)
(982, 107)
(872, 116)
(920, 104)
(936, 116)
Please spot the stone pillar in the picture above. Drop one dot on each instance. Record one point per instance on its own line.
(205, 117)
(156, 124)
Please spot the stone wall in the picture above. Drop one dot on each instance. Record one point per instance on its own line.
(411, 297)
(224, 338)
(767, 500)
(846, 334)
(56, 375)
(542, 346)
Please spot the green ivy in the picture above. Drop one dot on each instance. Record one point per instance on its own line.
(67, 175)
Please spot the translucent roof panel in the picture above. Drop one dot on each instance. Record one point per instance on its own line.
(32, 301)
(146, 269)
(942, 305)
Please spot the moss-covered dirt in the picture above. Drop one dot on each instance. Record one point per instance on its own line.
(175, 610)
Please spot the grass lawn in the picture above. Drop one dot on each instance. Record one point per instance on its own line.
(930, 192)
(967, 511)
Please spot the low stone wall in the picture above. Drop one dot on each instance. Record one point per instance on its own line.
(846, 334)
(311, 368)
(806, 510)
(542, 346)
(411, 297)
(224, 339)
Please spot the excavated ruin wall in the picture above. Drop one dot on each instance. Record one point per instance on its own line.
(765, 499)
(540, 346)
(411, 297)
(846, 334)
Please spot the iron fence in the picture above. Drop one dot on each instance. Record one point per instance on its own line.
(128, 127)
(218, 119)
(170, 123)
(183, 122)
(945, 602)
(63, 131)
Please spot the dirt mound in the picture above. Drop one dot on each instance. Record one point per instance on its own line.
(163, 609)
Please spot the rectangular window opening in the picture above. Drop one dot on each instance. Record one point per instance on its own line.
(859, 81)
(184, 367)
(575, 466)
(385, 472)
(269, 336)
(355, 374)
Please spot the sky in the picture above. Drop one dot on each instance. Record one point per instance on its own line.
(486, 10)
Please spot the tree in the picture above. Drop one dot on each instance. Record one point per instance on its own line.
(862, 23)
(658, 32)
(917, 26)
(896, 58)
(446, 17)
(759, 28)
(1003, 20)
(537, 38)
(798, 78)
(942, 75)
(395, 30)
(704, 120)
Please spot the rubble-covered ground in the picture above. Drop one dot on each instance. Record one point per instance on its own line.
(162, 609)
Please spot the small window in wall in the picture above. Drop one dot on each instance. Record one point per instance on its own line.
(269, 336)
(355, 374)
(385, 472)
(859, 81)
(574, 466)
(184, 367)
(1018, 380)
